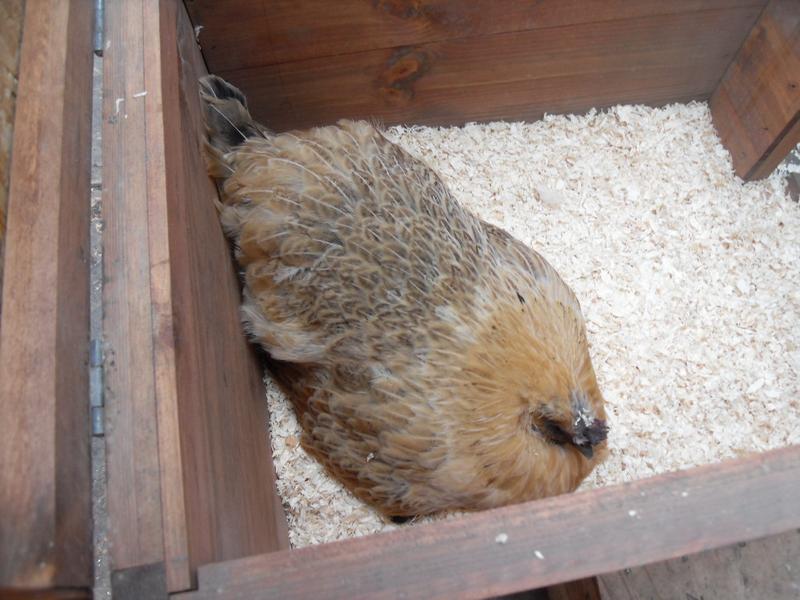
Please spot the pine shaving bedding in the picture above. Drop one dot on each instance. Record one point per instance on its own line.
(689, 281)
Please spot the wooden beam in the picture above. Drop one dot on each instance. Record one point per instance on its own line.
(189, 474)
(518, 75)
(241, 34)
(12, 14)
(756, 106)
(548, 541)
(45, 477)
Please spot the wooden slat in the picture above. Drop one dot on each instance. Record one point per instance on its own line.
(240, 34)
(189, 473)
(549, 541)
(232, 506)
(756, 107)
(45, 475)
(11, 17)
(520, 75)
(134, 489)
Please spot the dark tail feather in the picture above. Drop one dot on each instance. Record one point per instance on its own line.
(228, 122)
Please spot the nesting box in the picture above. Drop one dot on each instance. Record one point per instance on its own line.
(191, 493)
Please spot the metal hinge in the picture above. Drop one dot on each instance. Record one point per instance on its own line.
(99, 26)
(96, 386)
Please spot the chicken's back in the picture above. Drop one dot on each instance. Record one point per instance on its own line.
(343, 238)
(362, 271)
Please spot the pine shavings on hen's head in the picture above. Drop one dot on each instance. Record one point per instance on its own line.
(436, 363)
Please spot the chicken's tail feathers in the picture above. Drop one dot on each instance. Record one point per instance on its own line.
(228, 122)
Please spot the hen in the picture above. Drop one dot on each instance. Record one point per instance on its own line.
(437, 363)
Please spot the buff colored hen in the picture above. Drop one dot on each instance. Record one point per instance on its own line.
(437, 363)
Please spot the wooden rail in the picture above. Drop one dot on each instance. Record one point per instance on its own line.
(189, 474)
(45, 474)
(535, 544)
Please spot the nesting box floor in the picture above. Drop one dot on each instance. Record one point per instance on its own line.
(689, 281)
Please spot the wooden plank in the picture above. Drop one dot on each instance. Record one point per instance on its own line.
(756, 106)
(189, 474)
(133, 484)
(520, 75)
(549, 541)
(239, 34)
(766, 568)
(11, 16)
(228, 474)
(45, 479)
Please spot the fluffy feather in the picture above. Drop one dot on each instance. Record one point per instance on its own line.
(436, 362)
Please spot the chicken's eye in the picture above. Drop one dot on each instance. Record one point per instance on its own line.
(554, 432)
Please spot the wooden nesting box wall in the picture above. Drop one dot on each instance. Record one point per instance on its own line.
(444, 62)
(449, 61)
(191, 497)
(45, 478)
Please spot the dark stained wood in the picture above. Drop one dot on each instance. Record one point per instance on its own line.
(512, 76)
(582, 589)
(228, 472)
(12, 13)
(756, 107)
(575, 536)
(238, 34)
(45, 475)
(189, 474)
(766, 568)
(133, 467)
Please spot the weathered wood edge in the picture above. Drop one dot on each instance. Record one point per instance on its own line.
(45, 472)
(189, 475)
(549, 541)
(511, 76)
(306, 30)
(756, 104)
(136, 527)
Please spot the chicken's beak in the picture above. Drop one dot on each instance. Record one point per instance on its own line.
(586, 450)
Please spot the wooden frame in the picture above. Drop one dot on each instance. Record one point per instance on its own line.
(548, 541)
(165, 318)
(192, 504)
(190, 479)
(45, 476)
(756, 106)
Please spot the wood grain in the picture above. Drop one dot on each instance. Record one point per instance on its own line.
(133, 466)
(11, 15)
(582, 589)
(507, 76)
(239, 34)
(756, 106)
(766, 568)
(221, 399)
(549, 541)
(45, 478)
(189, 473)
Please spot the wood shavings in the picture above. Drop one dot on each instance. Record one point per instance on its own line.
(689, 281)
